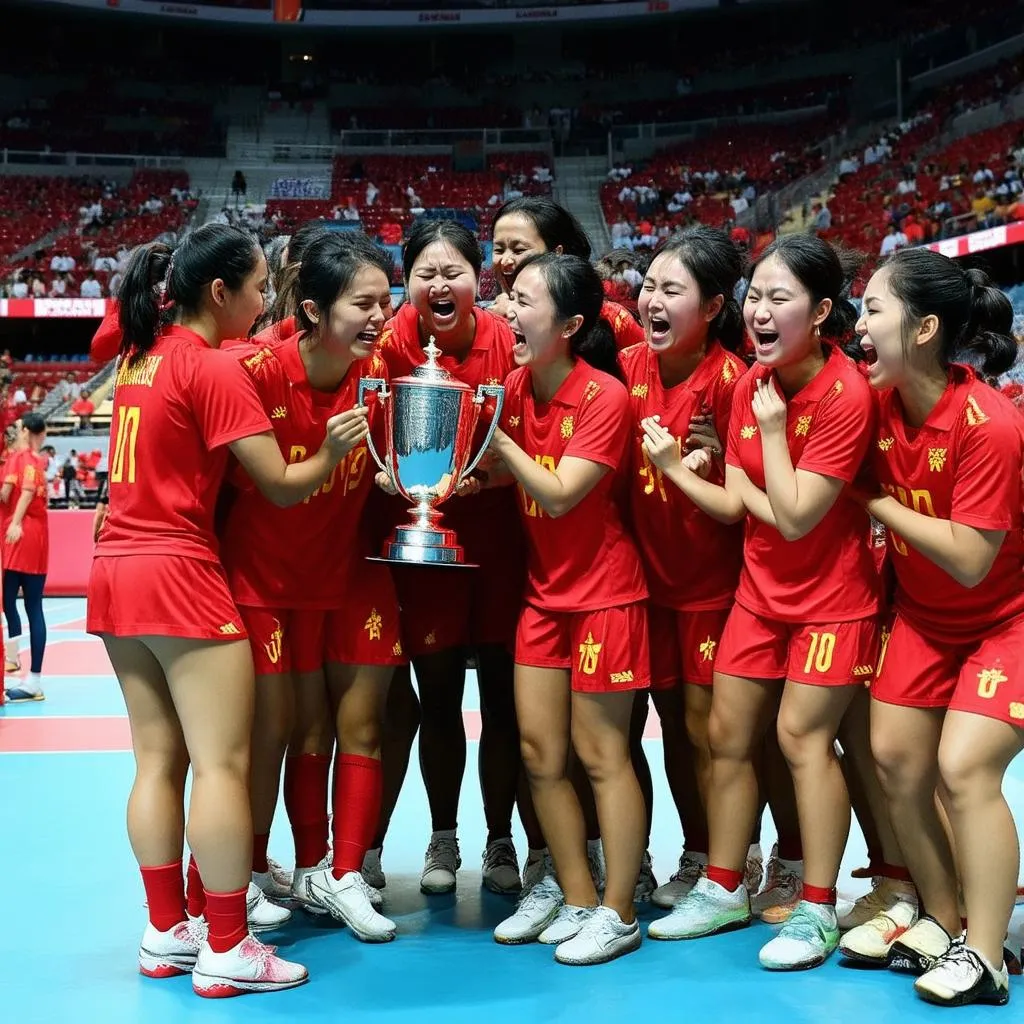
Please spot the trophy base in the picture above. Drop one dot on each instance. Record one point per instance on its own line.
(419, 546)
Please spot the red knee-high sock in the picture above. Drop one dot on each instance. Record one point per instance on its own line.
(305, 799)
(259, 853)
(165, 894)
(195, 894)
(225, 914)
(358, 787)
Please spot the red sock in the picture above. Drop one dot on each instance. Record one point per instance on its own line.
(696, 842)
(305, 800)
(358, 788)
(195, 894)
(259, 853)
(165, 894)
(225, 914)
(899, 874)
(816, 894)
(728, 880)
(790, 848)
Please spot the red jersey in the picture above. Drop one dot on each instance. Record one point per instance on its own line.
(484, 520)
(12, 477)
(692, 562)
(624, 325)
(31, 553)
(964, 465)
(829, 575)
(584, 559)
(276, 332)
(302, 557)
(106, 342)
(176, 410)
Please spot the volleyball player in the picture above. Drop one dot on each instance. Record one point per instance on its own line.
(26, 555)
(447, 612)
(804, 627)
(581, 644)
(948, 701)
(15, 444)
(308, 598)
(159, 597)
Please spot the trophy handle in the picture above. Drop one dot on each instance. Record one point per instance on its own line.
(497, 392)
(380, 387)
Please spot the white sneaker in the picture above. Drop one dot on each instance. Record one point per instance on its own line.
(707, 909)
(261, 914)
(871, 942)
(567, 923)
(885, 893)
(249, 967)
(806, 940)
(537, 864)
(173, 952)
(691, 867)
(782, 891)
(603, 937)
(440, 864)
(373, 873)
(347, 899)
(753, 873)
(595, 858)
(273, 883)
(298, 886)
(646, 883)
(501, 868)
(537, 908)
(919, 948)
(964, 976)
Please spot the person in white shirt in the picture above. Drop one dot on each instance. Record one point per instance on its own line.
(894, 240)
(20, 398)
(55, 262)
(58, 287)
(91, 288)
(739, 204)
(848, 165)
(20, 288)
(871, 155)
(982, 175)
(908, 185)
(351, 212)
(371, 193)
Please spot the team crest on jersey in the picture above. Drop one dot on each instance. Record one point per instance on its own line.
(514, 421)
(989, 680)
(885, 443)
(973, 414)
(274, 644)
(803, 426)
(591, 390)
(707, 649)
(566, 428)
(279, 413)
(257, 359)
(493, 381)
(373, 624)
(747, 432)
(590, 651)
(937, 459)
(639, 391)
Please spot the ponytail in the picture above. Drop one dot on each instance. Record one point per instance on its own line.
(989, 331)
(144, 310)
(598, 348)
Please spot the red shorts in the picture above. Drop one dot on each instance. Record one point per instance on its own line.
(161, 595)
(606, 650)
(985, 677)
(32, 553)
(821, 654)
(683, 645)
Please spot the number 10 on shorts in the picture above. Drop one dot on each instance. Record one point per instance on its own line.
(820, 651)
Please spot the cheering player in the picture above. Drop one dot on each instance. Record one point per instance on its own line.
(948, 701)
(26, 554)
(310, 602)
(446, 611)
(804, 626)
(159, 597)
(581, 644)
(15, 443)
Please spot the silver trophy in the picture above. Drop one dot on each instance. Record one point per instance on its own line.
(429, 420)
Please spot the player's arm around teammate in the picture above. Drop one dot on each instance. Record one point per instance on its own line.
(948, 701)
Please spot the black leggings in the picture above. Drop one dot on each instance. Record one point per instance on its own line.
(31, 585)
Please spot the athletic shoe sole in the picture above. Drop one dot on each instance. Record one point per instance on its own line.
(619, 949)
(153, 966)
(211, 987)
(731, 926)
(500, 890)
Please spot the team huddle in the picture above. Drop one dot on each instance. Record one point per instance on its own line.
(798, 527)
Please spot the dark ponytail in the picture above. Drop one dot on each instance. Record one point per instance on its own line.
(716, 265)
(576, 290)
(285, 278)
(974, 316)
(212, 252)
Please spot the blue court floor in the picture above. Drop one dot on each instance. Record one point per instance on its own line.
(75, 915)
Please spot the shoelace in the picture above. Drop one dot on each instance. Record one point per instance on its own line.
(804, 926)
(962, 963)
(500, 855)
(689, 870)
(546, 890)
(442, 853)
(366, 889)
(255, 952)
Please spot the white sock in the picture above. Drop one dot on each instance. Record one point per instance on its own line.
(11, 649)
(593, 846)
(793, 867)
(34, 683)
(754, 853)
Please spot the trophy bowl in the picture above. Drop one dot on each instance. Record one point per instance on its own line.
(430, 418)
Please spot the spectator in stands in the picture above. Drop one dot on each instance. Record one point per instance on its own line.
(69, 474)
(91, 288)
(821, 219)
(238, 185)
(848, 166)
(894, 239)
(908, 186)
(983, 206)
(59, 286)
(20, 288)
(37, 286)
(982, 176)
(371, 193)
(20, 398)
(37, 394)
(69, 389)
(84, 410)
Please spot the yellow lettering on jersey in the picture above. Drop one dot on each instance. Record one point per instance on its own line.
(373, 624)
(919, 499)
(274, 644)
(354, 468)
(141, 373)
(652, 475)
(592, 389)
(989, 680)
(122, 469)
(707, 649)
(530, 506)
(590, 651)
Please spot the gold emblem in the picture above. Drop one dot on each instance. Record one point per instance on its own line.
(279, 413)
(747, 432)
(707, 649)
(566, 428)
(803, 427)
(1017, 710)
(989, 680)
(622, 677)
(397, 649)
(937, 459)
(639, 391)
(589, 652)
(728, 372)
(885, 443)
(257, 359)
(975, 417)
(493, 381)
(513, 421)
(385, 339)
(837, 388)
(591, 390)
(230, 629)
(273, 645)
(373, 624)
(430, 639)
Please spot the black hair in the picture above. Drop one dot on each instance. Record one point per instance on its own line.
(33, 423)
(576, 290)
(204, 255)
(425, 232)
(717, 266)
(303, 239)
(554, 223)
(283, 279)
(328, 266)
(826, 272)
(974, 316)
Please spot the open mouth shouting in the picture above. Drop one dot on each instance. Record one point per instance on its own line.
(765, 342)
(443, 311)
(660, 330)
(519, 346)
(870, 354)
(368, 337)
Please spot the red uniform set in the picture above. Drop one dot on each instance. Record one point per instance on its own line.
(445, 607)
(807, 610)
(300, 576)
(692, 562)
(26, 470)
(585, 596)
(157, 569)
(624, 325)
(950, 645)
